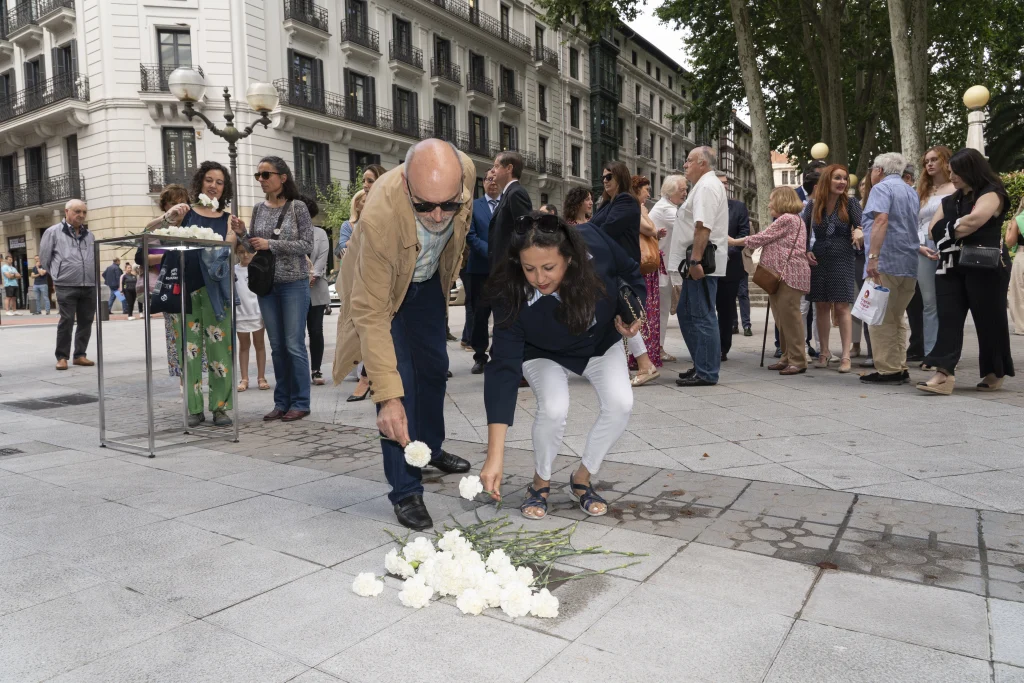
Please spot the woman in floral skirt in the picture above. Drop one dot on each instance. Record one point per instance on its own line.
(651, 330)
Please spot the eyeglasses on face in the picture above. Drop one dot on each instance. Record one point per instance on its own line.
(607, 177)
(265, 175)
(420, 206)
(545, 223)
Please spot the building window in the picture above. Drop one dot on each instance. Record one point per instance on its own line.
(478, 139)
(179, 155)
(312, 165)
(669, 82)
(661, 149)
(403, 34)
(682, 91)
(35, 164)
(508, 80)
(35, 72)
(357, 161)
(543, 198)
(6, 85)
(661, 109)
(538, 36)
(8, 180)
(622, 132)
(574, 112)
(65, 59)
(71, 149)
(509, 136)
(648, 67)
(542, 102)
(634, 57)
(175, 49)
(575, 156)
(305, 80)
(542, 150)
(407, 114)
(657, 74)
(444, 121)
(618, 87)
(637, 93)
(506, 22)
(574, 63)
(478, 188)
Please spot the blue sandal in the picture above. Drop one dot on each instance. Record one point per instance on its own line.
(534, 500)
(587, 498)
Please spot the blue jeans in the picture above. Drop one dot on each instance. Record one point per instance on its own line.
(699, 324)
(113, 298)
(284, 315)
(930, 309)
(418, 333)
(42, 297)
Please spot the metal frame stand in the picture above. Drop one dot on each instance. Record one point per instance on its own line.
(181, 245)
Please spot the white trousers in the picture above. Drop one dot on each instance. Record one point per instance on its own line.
(665, 292)
(609, 375)
(636, 344)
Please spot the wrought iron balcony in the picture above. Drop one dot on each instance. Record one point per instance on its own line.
(153, 77)
(308, 13)
(448, 132)
(480, 84)
(30, 12)
(744, 154)
(487, 23)
(313, 187)
(360, 34)
(546, 56)
(160, 177)
(405, 52)
(511, 96)
(477, 146)
(405, 124)
(70, 85)
(446, 70)
(552, 168)
(47, 191)
(643, 149)
(530, 161)
(642, 110)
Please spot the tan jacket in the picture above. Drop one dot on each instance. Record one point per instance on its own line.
(376, 273)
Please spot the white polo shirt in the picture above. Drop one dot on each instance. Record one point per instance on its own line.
(708, 204)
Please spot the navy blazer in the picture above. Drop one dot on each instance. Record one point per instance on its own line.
(536, 333)
(620, 219)
(515, 202)
(739, 226)
(479, 229)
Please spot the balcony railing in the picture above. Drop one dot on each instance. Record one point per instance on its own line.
(530, 161)
(153, 77)
(489, 24)
(160, 177)
(449, 133)
(49, 190)
(446, 70)
(31, 11)
(642, 110)
(552, 168)
(70, 85)
(405, 124)
(404, 52)
(744, 154)
(643, 149)
(360, 34)
(313, 187)
(479, 147)
(308, 13)
(510, 96)
(545, 55)
(480, 84)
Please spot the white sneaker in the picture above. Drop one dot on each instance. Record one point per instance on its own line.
(131, 318)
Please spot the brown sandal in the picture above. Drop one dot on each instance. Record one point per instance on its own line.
(243, 385)
(263, 383)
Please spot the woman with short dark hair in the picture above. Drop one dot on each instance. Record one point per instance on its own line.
(578, 205)
(970, 218)
(556, 306)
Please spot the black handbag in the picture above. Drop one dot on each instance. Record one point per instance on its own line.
(166, 295)
(629, 307)
(976, 256)
(262, 267)
(707, 262)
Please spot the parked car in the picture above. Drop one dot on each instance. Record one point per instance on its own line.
(332, 290)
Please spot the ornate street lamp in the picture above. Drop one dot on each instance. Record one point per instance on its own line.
(188, 85)
(819, 151)
(975, 99)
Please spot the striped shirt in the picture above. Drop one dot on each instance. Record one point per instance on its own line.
(431, 246)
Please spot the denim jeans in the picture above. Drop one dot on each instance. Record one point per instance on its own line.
(42, 297)
(699, 325)
(284, 315)
(926, 283)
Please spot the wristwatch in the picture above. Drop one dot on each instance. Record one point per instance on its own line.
(872, 256)
(693, 263)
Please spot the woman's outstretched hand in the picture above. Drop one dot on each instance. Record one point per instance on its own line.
(630, 331)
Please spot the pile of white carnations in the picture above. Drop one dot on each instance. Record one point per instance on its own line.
(483, 565)
(189, 232)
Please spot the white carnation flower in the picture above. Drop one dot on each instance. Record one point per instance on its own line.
(544, 605)
(208, 202)
(516, 599)
(419, 550)
(490, 589)
(471, 602)
(415, 593)
(367, 585)
(498, 560)
(398, 565)
(452, 540)
(524, 575)
(507, 575)
(417, 454)
(470, 487)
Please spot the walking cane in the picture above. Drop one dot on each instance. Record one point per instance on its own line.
(764, 339)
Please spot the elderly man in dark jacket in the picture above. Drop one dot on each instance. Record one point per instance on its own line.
(66, 251)
(729, 287)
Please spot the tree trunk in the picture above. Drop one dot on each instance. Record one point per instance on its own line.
(908, 22)
(758, 117)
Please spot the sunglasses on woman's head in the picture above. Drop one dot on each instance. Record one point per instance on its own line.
(607, 177)
(265, 175)
(544, 223)
(420, 206)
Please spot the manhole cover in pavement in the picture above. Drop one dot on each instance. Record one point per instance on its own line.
(10, 451)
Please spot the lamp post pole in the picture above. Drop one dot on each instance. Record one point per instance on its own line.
(229, 133)
(975, 99)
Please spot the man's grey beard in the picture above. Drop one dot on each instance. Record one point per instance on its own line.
(432, 226)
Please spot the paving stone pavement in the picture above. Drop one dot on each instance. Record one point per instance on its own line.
(799, 529)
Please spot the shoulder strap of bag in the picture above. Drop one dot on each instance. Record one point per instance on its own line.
(280, 220)
(798, 236)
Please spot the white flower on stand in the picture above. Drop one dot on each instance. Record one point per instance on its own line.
(470, 486)
(516, 599)
(544, 605)
(367, 585)
(415, 593)
(397, 565)
(209, 203)
(417, 454)
(471, 602)
(419, 550)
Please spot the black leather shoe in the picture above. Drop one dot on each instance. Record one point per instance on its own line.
(778, 353)
(694, 381)
(735, 329)
(688, 374)
(478, 368)
(449, 464)
(725, 357)
(412, 513)
(449, 374)
(887, 378)
(747, 331)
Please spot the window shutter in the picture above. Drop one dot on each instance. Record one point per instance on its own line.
(291, 65)
(73, 46)
(371, 101)
(323, 166)
(42, 68)
(318, 78)
(43, 165)
(14, 158)
(297, 168)
(58, 66)
(414, 111)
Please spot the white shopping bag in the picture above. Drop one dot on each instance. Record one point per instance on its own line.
(871, 303)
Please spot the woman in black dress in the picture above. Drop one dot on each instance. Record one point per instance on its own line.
(970, 217)
(832, 216)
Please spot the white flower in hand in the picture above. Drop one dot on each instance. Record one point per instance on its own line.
(415, 593)
(417, 454)
(367, 585)
(516, 599)
(471, 602)
(544, 605)
(397, 565)
(419, 550)
(470, 487)
(208, 202)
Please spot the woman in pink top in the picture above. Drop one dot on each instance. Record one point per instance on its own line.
(782, 250)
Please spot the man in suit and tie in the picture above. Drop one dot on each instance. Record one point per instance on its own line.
(513, 203)
(477, 269)
(729, 286)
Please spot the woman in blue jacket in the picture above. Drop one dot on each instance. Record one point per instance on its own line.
(555, 300)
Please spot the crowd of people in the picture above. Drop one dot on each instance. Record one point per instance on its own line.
(587, 288)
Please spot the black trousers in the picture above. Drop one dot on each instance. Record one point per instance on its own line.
(915, 316)
(79, 303)
(983, 293)
(129, 301)
(315, 328)
(725, 304)
(479, 338)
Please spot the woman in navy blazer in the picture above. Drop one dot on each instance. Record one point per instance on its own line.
(555, 299)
